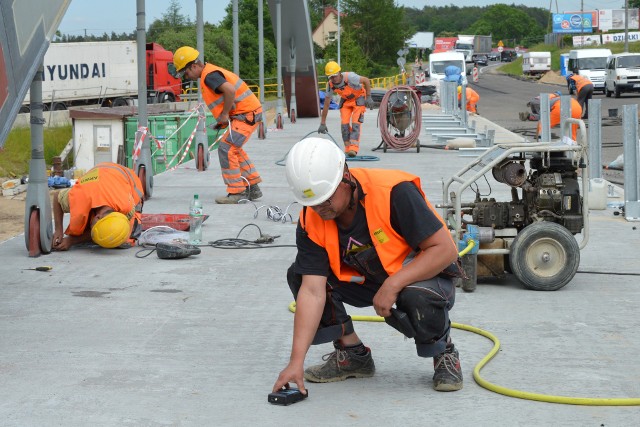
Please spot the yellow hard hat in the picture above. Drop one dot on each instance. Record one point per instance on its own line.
(459, 90)
(111, 230)
(183, 56)
(331, 68)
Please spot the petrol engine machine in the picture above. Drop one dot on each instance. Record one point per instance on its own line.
(532, 234)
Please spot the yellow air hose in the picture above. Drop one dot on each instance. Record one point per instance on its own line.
(588, 401)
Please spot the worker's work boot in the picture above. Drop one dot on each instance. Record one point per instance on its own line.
(447, 374)
(232, 199)
(254, 192)
(341, 364)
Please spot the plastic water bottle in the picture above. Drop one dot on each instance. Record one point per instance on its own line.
(195, 220)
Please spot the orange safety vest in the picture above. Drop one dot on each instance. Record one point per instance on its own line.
(346, 91)
(391, 247)
(107, 184)
(244, 101)
(581, 81)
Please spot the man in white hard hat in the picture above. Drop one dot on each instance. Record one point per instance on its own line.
(366, 237)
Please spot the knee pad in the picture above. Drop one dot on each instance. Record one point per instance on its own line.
(428, 312)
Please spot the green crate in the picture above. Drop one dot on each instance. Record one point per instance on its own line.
(163, 128)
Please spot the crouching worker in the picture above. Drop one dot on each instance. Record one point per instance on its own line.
(105, 206)
(366, 237)
(472, 99)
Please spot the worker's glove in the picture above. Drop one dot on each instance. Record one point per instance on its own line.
(323, 128)
(369, 102)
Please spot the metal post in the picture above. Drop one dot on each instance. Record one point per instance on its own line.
(545, 117)
(279, 108)
(261, 49)
(143, 166)
(339, 31)
(236, 40)
(626, 25)
(565, 113)
(631, 163)
(38, 198)
(595, 138)
(201, 132)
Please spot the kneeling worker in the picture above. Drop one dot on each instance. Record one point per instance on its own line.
(472, 99)
(554, 118)
(105, 206)
(366, 237)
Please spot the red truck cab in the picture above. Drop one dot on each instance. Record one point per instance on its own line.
(161, 74)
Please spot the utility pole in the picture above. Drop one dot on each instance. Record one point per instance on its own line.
(338, 32)
(626, 25)
(581, 23)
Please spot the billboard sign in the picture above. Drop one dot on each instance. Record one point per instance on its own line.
(572, 23)
(613, 19)
(442, 44)
(619, 38)
(586, 41)
(26, 28)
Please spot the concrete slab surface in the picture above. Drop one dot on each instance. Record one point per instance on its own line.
(110, 339)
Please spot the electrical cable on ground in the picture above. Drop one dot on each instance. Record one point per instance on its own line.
(567, 400)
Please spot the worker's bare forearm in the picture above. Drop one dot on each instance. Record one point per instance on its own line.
(309, 305)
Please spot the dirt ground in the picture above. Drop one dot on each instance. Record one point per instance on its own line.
(553, 77)
(11, 215)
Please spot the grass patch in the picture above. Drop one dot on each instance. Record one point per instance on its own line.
(16, 154)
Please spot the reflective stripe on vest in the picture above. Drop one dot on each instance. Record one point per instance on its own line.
(391, 247)
(244, 100)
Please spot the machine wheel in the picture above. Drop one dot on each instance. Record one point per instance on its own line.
(34, 234)
(59, 106)
(544, 256)
(142, 174)
(279, 122)
(200, 157)
(292, 116)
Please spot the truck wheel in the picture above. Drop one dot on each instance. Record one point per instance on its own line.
(544, 256)
(119, 102)
(607, 92)
(165, 97)
(617, 91)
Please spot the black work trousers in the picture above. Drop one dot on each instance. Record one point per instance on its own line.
(427, 303)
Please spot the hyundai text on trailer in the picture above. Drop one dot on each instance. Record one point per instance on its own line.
(105, 74)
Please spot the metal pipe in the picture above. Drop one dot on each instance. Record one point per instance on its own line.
(261, 49)
(236, 39)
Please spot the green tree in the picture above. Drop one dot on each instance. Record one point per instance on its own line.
(505, 22)
(172, 20)
(378, 27)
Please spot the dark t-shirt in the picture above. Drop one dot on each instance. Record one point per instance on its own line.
(214, 80)
(411, 218)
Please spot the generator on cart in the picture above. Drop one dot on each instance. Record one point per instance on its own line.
(532, 234)
(400, 119)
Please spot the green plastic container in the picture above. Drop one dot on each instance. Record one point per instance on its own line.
(168, 146)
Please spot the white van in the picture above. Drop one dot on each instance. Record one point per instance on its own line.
(590, 63)
(623, 74)
(441, 60)
(536, 62)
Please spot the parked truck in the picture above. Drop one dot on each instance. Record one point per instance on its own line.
(105, 74)
(471, 46)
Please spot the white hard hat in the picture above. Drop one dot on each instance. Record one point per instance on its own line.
(314, 169)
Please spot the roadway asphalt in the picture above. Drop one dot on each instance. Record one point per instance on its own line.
(109, 339)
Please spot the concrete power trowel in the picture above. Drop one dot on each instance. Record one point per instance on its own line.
(532, 234)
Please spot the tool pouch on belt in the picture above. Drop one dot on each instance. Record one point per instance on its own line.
(367, 263)
(255, 118)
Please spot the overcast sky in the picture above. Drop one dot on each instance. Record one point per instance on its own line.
(98, 17)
